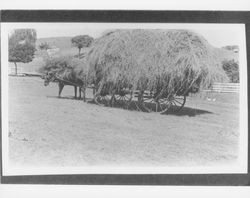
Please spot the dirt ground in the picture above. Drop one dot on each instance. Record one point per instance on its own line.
(48, 131)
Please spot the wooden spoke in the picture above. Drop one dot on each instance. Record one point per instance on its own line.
(162, 105)
(178, 103)
(102, 100)
(121, 100)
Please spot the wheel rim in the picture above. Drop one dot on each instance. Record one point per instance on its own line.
(162, 105)
(152, 105)
(102, 100)
(177, 102)
(121, 100)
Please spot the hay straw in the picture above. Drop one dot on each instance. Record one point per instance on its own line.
(171, 61)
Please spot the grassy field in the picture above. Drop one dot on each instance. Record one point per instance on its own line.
(48, 131)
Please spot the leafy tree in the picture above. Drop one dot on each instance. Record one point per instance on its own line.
(231, 68)
(22, 46)
(82, 41)
(44, 46)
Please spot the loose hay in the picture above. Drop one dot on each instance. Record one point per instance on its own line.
(164, 61)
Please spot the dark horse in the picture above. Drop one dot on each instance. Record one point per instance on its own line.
(62, 81)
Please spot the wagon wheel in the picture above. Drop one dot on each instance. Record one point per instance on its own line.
(137, 103)
(152, 105)
(121, 99)
(102, 99)
(162, 105)
(177, 103)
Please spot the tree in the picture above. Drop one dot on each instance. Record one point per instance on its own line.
(22, 46)
(82, 41)
(231, 67)
(44, 46)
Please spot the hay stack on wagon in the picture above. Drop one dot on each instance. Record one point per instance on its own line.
(163, 61)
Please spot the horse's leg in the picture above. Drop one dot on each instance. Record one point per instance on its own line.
(94, 90)
(83, 89)
(80, 93)
(60, 85)
(75, 91)
(84, 94)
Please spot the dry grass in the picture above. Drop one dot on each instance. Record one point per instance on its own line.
(165, 60)
(48, 131)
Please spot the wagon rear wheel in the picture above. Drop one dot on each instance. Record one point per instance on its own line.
(177, 103)
(152, 105)
(162, 105)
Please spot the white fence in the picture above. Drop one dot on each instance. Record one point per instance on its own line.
(225, 87)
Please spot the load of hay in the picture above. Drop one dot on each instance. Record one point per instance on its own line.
(163, 61)
(67, 68)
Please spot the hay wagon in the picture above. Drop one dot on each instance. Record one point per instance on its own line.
(154, 70)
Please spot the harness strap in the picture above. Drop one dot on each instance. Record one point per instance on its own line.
(66, 81)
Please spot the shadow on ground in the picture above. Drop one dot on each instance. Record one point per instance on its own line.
(185, 111)
(65, 97)
(134, 106)
(188, 111)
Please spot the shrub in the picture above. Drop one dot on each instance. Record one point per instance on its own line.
(231, 67)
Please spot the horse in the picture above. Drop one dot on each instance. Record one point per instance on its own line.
(62, 81)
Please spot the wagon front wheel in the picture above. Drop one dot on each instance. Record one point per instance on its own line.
(102, 100)
(177, 103)
(121, 100)
(152, 105)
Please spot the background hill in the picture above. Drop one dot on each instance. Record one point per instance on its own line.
(60, 42)
(225, 54)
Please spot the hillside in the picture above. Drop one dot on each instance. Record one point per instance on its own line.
(60, 42)
(63, 43)
(226, 54)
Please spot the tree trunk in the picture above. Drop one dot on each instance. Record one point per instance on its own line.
(15, 68)
(79, 52)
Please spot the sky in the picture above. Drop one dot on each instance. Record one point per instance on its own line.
(217, 35)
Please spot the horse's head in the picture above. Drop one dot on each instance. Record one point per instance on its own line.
(50, 77)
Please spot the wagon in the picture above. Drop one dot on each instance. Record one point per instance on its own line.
(165, 60)
(149, 101)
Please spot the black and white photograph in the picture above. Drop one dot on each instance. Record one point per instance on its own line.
(124, 98)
